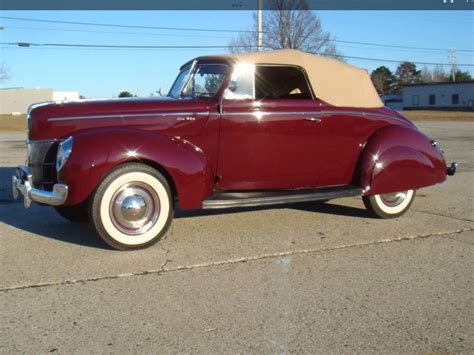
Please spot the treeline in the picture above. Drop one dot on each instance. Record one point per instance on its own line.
(387, 82)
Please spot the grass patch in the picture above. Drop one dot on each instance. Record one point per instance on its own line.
(438, 115)
(12, 123)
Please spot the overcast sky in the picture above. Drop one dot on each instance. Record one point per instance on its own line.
(105, 72)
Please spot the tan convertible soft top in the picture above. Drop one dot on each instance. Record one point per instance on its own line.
(334, 82)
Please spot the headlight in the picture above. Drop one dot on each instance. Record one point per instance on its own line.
(64, 151)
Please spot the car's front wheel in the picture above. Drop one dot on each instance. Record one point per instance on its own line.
(389, 205)
(132, 207)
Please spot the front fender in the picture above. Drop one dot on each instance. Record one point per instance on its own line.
(96, 152)
(398, 158)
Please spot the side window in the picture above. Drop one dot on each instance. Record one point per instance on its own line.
(455, 99)
(432, 99)
(281, 82)
(242, 83)
(416, 100)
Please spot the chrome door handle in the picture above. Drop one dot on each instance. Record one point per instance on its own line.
(313, 119)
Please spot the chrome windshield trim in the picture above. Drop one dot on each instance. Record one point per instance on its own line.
(151, 114)
(188, 79)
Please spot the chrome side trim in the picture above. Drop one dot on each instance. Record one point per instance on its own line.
(265, 113)
(151, 114)
(320, 113)
(313, 119)
(22, 182)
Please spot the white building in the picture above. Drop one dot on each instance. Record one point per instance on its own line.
(457, 96)
(17, 100)
(65, 96)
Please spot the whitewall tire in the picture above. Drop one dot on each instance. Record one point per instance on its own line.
(389, 205)
(132, 207)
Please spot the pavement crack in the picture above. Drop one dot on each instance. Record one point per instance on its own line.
(442, 215)
(166, 252)
(163, 269)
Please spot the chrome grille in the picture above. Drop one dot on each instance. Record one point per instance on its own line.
(41, 156)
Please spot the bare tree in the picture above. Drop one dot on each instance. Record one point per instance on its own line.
(439, 75)
(4, 72)
(289, 24)
(426, 75)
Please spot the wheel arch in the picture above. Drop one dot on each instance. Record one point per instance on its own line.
(96, 153)
(155, 165)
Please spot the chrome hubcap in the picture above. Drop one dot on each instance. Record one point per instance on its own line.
(134, 208)
(394, 199)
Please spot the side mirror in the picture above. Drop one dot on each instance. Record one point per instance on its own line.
(232, 85)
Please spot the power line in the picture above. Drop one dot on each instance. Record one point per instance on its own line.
(401, 51)
(120, 46)
(400, 61)
(218, 30)
(396, 46)
(115, 32)
(342, 43)
(125, 26)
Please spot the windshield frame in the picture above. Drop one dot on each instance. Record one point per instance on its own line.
(193, 67)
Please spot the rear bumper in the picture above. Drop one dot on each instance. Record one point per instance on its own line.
(451, 170)
(22, 182)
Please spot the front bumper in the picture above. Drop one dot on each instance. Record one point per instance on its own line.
(22, 182)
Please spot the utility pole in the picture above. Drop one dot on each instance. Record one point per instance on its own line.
(259, 26)
(453, 64)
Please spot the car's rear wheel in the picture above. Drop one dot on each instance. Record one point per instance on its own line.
(132, 207)
(389, 205)
(76, 213)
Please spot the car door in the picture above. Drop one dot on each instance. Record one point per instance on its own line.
(268, 131)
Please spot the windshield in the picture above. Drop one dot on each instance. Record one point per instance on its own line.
(204, 81)
(175, 90)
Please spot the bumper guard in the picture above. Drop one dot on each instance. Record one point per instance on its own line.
(22, 182)
(451, 170)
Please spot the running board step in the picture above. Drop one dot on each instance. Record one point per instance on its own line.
(277, 197)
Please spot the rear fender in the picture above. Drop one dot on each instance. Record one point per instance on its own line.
(398, 158)
(96, 152)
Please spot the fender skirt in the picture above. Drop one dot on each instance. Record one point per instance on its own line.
(398, 158)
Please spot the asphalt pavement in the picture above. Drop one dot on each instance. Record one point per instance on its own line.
(311, 277)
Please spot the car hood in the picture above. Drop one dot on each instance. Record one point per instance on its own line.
(57, 120)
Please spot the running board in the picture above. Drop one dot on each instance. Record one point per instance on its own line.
(228, 199)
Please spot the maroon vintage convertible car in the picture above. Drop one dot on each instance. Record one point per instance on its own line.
(239, 130)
